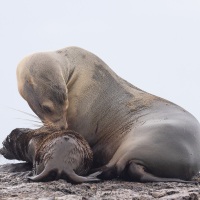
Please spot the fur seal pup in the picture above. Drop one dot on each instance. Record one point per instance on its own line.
(54, 154)
(132, 133)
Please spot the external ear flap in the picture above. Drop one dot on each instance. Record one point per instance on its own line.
(22, 84)
(30, 81)
(27, 88)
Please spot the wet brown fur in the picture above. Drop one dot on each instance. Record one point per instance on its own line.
(17, 146)
(51, 133)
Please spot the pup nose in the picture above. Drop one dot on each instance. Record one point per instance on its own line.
(1, 151)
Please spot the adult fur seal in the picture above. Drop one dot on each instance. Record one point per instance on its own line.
(54, 154)
(132, 133)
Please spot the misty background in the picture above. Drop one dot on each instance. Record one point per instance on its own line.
(155, 45)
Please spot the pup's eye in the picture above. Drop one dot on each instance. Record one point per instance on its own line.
(46, 109)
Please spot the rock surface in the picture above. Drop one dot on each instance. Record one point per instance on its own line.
(15, 185)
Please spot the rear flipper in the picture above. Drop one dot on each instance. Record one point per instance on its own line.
(47, 175)
(74, 178)
(136, 172)
(43, 176)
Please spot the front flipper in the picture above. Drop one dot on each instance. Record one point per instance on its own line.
(136, 172)
(108, 172)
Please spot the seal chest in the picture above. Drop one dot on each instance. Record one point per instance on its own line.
(54, 154)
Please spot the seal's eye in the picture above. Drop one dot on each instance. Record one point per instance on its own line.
(47, 109)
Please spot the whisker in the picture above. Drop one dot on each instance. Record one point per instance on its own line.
(30, 120)
(48, 124)
(37, 125)
(24, 112)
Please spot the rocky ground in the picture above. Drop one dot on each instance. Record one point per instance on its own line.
(14, 185)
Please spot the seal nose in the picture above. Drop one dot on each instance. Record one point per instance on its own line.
(61, 124)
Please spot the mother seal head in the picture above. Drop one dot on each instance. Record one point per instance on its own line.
(41, 82)
(132, 133)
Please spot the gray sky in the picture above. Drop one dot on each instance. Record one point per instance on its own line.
(154, 44)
